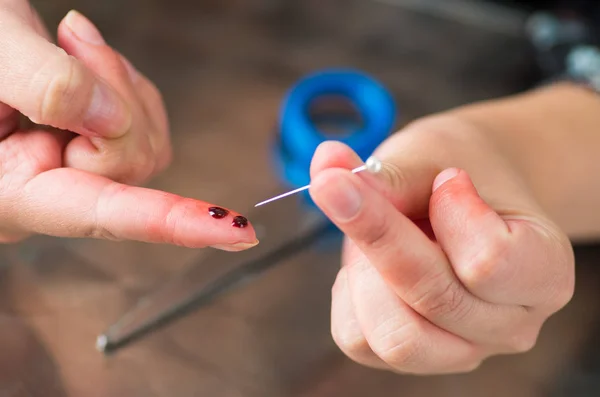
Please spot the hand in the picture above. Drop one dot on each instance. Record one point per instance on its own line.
(448, 258)
(109, 131)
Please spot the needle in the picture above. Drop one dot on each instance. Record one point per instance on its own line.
(372, 165)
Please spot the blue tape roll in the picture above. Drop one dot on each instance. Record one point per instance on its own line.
(299, 137)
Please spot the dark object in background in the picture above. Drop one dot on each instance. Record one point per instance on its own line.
(565, 36)
(589, 9)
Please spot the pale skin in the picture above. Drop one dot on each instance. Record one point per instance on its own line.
(110, 134)
(460, 249)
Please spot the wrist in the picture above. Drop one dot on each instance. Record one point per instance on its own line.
(551, 136)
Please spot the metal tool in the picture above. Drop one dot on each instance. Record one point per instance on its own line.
(296, 142)
(199, 284)
(221, 271)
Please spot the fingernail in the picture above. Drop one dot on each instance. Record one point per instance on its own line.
(340, 198)
(444, 177)
(83, 28)
(235, 247)
(107, 115)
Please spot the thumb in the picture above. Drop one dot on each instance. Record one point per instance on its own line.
(52, 88)
(404, 179)
(512, 259)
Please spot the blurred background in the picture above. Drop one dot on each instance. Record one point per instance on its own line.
(224, 67)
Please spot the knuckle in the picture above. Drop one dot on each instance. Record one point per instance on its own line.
(470, 367)
(153, 92)
(113, 63)
(140, 166)
(485, 264)
(128, 164)
(145, 167)
(393, 175)
(374, 237)
(565, 279)
(166, 156)
(397, 344)
(100, 232)
(375, 232)
(353, 345)
(163, 153)
(154, 103)
(102, 217)
(66, 95)
(563, 295)
(446, 299)
(523, 342)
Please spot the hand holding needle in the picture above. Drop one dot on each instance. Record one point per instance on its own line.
(372, 165)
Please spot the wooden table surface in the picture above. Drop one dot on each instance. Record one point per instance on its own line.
(224, 66)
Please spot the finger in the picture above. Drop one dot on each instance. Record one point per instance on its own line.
(345, 329)
(335, 154)
(5, 111)
(25, 10)
(414, 266)
(155, 110)
(100, 208)
(393, 244)
(398, 335)
(149, 94)
(508, 261)
(41, 81)
(8, 120)
(79, 37)
(38, 24)
(140, 147)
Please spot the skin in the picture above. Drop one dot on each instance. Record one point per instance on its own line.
(80, 130)
(460, 249)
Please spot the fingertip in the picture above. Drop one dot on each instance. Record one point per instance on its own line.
(333, 154)
(237, 247)
(109, 114)
(82, 28)
(337, 194)
(453, 190)
(466, 226)
(445, 176)
(131, 70)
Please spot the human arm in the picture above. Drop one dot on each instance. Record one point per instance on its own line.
(553, 136)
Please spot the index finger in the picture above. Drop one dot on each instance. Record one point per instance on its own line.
(391, 241)
(413, 265)
(67, 202)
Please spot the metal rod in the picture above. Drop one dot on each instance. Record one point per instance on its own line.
(372, 164)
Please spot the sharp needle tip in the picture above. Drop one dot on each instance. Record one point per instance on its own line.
(372, 165)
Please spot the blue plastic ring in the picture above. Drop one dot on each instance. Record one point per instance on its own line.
(301, 138)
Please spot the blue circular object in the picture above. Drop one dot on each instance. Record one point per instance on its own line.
(299, 137)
